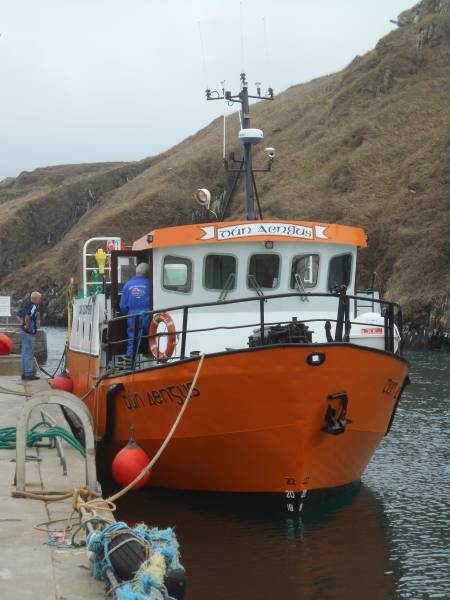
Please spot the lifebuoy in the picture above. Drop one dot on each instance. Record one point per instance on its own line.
(165, 318)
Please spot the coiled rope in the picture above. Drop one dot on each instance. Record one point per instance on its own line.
(35, 437)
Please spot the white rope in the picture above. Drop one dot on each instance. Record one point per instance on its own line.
(163, 446)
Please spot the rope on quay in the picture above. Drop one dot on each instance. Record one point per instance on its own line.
(137, 563)
(49, 495)
(35, 438)
(41, 368)
(12, 392)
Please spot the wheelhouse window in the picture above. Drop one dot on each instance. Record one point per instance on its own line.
(220, 272)
(264, 271)
(304, 271)
(340, 271)
(177, 274)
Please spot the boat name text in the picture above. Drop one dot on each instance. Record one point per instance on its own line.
(258, 229)
(166, 395)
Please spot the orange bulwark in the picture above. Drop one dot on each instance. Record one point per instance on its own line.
(263, 427)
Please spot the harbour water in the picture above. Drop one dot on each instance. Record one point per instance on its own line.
(388, 539)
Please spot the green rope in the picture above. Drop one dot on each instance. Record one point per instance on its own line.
(35, 437)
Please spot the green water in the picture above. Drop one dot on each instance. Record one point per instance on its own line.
(389, 539)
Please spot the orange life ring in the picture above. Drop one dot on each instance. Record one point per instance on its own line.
(165, 318)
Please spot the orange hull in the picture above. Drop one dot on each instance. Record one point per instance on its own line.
(256, 418)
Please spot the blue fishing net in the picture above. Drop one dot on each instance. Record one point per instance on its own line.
(144, 586)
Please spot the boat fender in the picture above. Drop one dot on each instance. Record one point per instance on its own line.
(175, 582)
(129, 463)
(63, 381)
(6, 344)
(335, 425)
(166, 318)
(127, 552)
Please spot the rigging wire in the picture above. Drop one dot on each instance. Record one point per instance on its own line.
(224, 121)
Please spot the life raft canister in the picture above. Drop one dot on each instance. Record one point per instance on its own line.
(165, 318)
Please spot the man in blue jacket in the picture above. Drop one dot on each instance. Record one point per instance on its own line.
(135, 298)
(28, 315)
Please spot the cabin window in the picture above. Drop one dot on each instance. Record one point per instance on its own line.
(304, 271)
(177, 274)
(264, 271)
(340, 271)
(220, 272)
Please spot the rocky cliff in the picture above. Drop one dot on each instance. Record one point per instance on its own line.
(367, 146)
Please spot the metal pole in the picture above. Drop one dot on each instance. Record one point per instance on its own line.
(245, 112)
(340, 317)
(249, 182)
(400, 326)
(386, 328)
(261, 312)
(391, 328)
(183, 332)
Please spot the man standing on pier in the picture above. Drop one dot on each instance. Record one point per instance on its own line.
(28, 315)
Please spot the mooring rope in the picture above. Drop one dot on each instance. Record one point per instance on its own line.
(163, 446)
(95, 503)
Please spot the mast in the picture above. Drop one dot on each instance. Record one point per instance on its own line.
(248, 137)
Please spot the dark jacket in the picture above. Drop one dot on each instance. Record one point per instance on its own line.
(30, 310)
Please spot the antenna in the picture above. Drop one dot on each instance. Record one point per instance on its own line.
(203, 53)
(266, 46)
(242, 34)
(247, 137)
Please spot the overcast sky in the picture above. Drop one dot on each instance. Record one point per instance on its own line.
(105, 80)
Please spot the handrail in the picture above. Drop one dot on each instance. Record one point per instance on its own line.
(251, 299)
(231, 327)
(343, 322)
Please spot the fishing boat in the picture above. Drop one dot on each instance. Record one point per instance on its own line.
(301, 375)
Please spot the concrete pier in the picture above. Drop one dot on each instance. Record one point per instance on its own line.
(29, 569)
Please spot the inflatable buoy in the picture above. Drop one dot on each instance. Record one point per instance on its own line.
(6, 344)
(165, 318)
(62, 382)
(127, 465)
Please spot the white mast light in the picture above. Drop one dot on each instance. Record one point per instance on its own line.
(203, 197)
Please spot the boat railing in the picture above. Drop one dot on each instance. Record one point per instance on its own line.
(114, 340)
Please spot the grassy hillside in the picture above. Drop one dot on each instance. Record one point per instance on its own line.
(368, 146)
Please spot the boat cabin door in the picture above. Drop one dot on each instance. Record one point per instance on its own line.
(123, 268)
